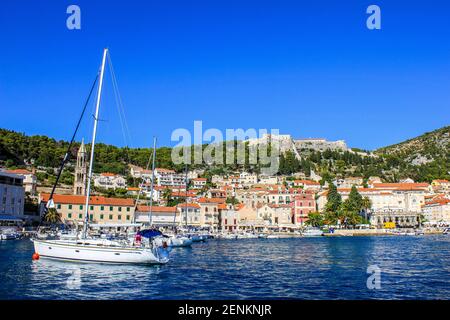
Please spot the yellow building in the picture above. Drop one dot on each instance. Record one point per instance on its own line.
(102, 210)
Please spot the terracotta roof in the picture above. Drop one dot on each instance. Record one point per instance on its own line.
(19, 171)
(93, 200)
(211, 200)
(156, 209)
(165, 170)
(222, 206)
(189, 205)
(108, 174)
(132, 189)
(401, 185)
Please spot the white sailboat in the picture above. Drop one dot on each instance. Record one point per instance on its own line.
(99, 250)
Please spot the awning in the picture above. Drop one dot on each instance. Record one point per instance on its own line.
(7, 217)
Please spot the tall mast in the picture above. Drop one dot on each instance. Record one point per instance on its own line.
(185, 195)
(153, 182)
(94, 134)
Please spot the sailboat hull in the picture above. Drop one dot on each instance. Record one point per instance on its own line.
(72, 251)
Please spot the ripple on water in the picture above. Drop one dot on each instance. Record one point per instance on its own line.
(305, 268)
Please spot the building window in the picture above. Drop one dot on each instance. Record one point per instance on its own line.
(69, 215)
(102, 208)
(80, 216)
(92, 208)
(70, 207)
(226, 221)
(110, 217)
(58, 206)
(81, 207)
(119, 217)
(91, 217)
(101, 217)
(120, 209)
(128, 209)
(110, 208)
(128, 217)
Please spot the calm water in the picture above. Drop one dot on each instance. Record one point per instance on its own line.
(304, 268)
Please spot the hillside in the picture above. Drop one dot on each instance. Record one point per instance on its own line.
(423, 149)
(423, 158)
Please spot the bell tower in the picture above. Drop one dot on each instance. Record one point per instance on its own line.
(79, 184)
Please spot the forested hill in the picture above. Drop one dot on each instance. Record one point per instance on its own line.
(423, 158)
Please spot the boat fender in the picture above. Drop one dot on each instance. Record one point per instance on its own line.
(35, 256)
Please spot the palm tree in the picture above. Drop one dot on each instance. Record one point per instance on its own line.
(52, 216)
(315, 219)
(366, 204)
(167, 195)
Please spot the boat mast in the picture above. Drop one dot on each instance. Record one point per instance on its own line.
(186, 194)
(152, 183)
(94, 133)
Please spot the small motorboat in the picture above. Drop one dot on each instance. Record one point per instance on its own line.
(10, 236)
(180, 241)
(312, 232)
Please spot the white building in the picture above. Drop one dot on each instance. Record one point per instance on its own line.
(167, 177)
(29, 180)
(108, 180)
(12, 195)
(437, 211)
(199, 183)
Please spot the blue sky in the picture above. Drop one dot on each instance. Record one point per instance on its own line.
(307, 68)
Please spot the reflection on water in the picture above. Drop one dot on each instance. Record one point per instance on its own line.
(308, 268)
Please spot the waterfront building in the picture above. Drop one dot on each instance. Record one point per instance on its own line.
(109, 180)
(209, 211)
(81, 166)
(400, 218)
(190, 214)
(29, 180)
(229, 220)
(385, 199)
(275, 214)
(301, 207)
(101, 209)
(436, 212)
(160, 216)
(12, 196)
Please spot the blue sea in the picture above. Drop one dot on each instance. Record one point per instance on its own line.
(407, 267)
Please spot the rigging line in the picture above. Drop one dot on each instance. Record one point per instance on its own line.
(67, 155)
(117, 100)
(121, 111)
(143, 180)
(115, 90)
(120, 106)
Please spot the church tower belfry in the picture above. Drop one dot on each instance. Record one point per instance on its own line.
(79, 184)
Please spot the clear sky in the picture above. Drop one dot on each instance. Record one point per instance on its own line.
(307, 68)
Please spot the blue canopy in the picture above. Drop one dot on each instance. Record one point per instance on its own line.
(7, 217)
(150, 233)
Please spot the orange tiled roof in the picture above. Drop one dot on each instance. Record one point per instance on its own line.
(156, 209)
(402, 185)
(211, 200)
(108, 174)
(19, 171)
(93, 200)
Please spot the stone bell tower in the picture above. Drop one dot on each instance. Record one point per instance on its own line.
(79, 184)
